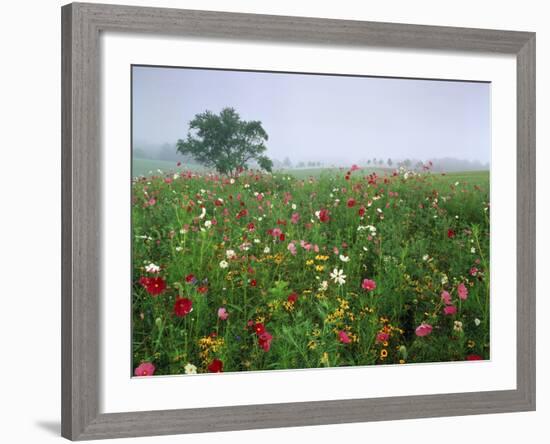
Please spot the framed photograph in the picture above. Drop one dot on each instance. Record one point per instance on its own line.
(278, 221)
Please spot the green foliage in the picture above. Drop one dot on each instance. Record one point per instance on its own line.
(225, 142)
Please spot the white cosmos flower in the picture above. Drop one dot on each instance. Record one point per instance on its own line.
(425, 257)
(230, 254)
(344, 258)
(232, 181)
(477, 322)
(293, 206)
(472, 250)
(224, 264)
(207, 224)
(190, 369)
(152, 268)
(323, 286)
(444, 279)
(176, 176)
(266, 250)
(338, 276)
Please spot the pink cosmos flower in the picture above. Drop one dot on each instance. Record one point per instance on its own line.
(292, 248)
(343, 337)
(294, 218)
(473, 271)
(462, 291)
(423, 329)
(145, 369)
(276, 232)
(446, 297)
(222, 313)
(449, 310)
(368, 284)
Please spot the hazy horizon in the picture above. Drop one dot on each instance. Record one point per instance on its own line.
(332, 119)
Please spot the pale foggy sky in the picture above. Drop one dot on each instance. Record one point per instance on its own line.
(334, 119)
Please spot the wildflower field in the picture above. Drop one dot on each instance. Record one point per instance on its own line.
(275, 271)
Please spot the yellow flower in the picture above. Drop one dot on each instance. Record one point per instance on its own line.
(383, 353)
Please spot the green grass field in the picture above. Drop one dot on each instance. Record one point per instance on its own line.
(267, 272)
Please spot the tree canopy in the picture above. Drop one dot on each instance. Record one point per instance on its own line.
(225, 142)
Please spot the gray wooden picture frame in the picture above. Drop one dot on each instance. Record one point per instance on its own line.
(81, 232)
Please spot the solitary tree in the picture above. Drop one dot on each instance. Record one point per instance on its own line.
(225, 142)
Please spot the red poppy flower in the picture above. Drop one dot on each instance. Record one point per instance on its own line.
(282, 237)
(324, 215)
(154, 286)
(250, 226)
(474, 358)
(242, 213)
(351, 203)
(203, 289)
(182, 307)
(216, 366)
(189, 278)
(253, 283)
(259, 328)
(264, 341)
(361, 211)
(292, 298)
(450, 233)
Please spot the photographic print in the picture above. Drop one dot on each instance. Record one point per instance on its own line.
(286, 221)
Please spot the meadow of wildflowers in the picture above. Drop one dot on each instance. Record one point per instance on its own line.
(270, 271)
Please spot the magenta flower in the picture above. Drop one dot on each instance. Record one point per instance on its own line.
(423, 329)
(462, 291)
(368, 284)
(449, 310)
(145, 369)
(343, 337)
(382, 337)
(446, 297)
(294, 218)
(222, 313)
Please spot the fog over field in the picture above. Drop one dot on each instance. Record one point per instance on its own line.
(319, 120)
